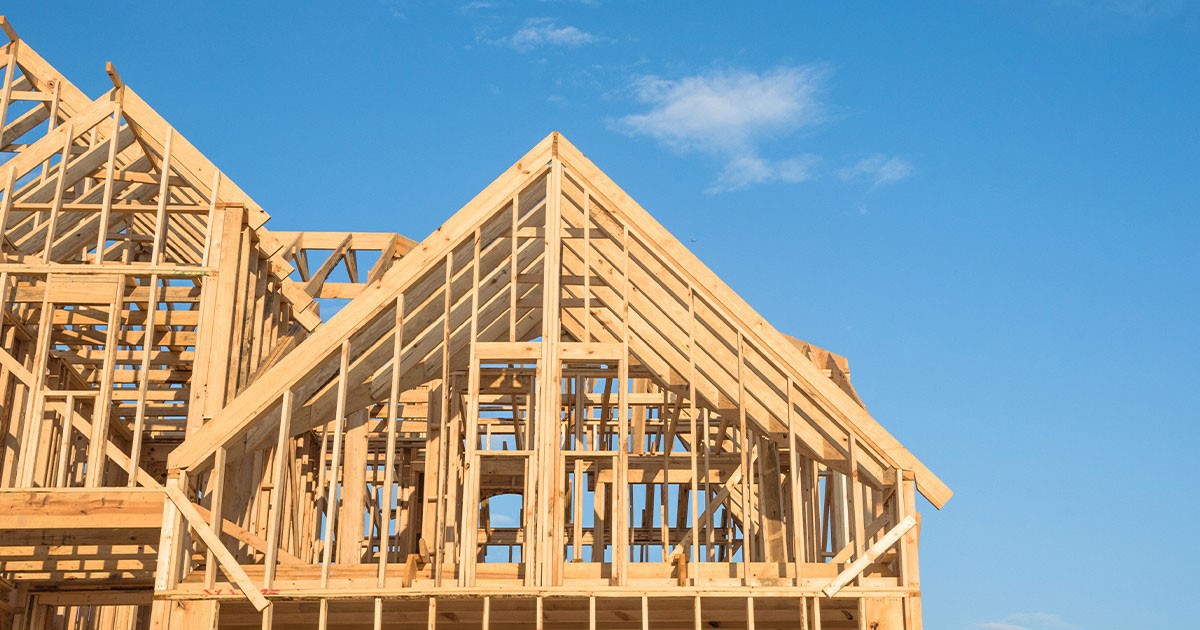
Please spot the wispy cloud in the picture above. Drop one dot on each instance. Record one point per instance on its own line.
(1137, 16)
(878, 169)
(1028, 621)
(743, 171)
(542, 32)
(476, 5)
(396, 8)
(729, 114)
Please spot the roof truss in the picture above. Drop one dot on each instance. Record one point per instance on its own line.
(666, 287)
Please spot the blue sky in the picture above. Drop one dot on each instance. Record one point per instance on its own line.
(991, 207)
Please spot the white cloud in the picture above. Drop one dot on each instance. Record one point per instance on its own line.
(879, 169)
(797, 169)
(727, 110)
(395, 7)
(742, 171)
(538, 32)
(502, 519)
(729, 114)
(1028, 621)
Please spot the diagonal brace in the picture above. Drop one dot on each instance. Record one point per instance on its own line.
(876, 550)
(224, 558)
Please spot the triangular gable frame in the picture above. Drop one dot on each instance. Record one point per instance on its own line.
(248, 420)
(151, 131)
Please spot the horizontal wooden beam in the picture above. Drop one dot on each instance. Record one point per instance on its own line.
(80, 509)
(331, 240)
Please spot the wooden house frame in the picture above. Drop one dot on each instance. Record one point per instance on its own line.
(546, 414)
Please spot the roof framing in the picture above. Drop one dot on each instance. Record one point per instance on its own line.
(549, 375)
(821, 397)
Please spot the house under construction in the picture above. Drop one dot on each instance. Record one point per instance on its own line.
(546, 414)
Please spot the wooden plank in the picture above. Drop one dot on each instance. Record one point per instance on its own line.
(335, 467)
(353, 490)
(252, 540)
(12, 364)
(275, 506)
(216, 499)
(528, 350)
(99, 443)
(386, 512)
(569, 351)
(80, 509)
(330, 240)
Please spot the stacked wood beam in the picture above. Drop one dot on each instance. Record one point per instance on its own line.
(546, 414)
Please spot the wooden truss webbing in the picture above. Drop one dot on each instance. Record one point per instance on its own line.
(827, 397)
